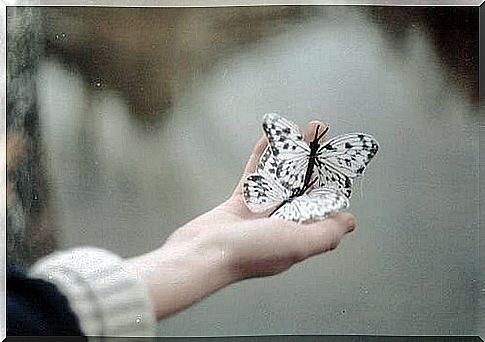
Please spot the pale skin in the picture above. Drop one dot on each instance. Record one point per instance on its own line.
(230, 243)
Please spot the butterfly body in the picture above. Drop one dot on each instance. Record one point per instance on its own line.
(295, 193)
(312, 157)
(303, 182)
(337, 162)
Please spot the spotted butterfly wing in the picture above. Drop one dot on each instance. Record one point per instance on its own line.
(267, 163)
(337, 162)
(288, 149)
(344, 158)
(263, 192)
(318, 204)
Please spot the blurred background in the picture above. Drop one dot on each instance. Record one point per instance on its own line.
(146, 117)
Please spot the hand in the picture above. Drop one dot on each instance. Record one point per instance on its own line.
(229, 244)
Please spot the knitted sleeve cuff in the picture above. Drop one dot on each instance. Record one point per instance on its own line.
(108, 300)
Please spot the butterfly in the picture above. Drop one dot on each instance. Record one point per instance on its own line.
(337, 162)
(262, 192)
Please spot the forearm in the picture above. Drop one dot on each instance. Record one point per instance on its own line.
(180, 275)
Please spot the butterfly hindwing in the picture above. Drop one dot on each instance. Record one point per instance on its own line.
(262, 192)
(318, 204)
(332, 177)
(291, 172)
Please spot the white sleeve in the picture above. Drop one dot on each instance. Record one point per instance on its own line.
(107, 300)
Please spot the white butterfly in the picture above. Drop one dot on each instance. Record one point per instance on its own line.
(263, 192)
(337, 162)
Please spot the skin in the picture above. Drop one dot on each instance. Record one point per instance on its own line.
(229, 244)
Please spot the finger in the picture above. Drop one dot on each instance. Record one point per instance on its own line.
(311, 130)
(256, 155)
(322, 236)
(252, 162)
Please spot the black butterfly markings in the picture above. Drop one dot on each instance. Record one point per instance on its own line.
(272, 166)
(344, 158)
(312, 158)
(285, 181)
(262, 192)
(295, 193)
(337, 162)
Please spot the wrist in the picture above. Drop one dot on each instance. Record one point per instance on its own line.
(180, 274)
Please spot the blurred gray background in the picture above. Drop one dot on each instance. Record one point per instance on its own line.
(149, 115)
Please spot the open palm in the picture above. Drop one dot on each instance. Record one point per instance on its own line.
(228, 244)
(257, 245)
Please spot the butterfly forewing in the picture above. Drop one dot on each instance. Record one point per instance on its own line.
(267, 163)
(350, 152)
(280, 131)
(343, 158)
(284, 137)
(289, 149)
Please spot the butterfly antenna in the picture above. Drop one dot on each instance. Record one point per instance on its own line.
(323, 133)
(304, 189)
(315, 139)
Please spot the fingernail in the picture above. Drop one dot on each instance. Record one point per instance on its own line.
(351, 224)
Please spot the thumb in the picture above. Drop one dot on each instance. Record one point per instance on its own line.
(253, 161)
